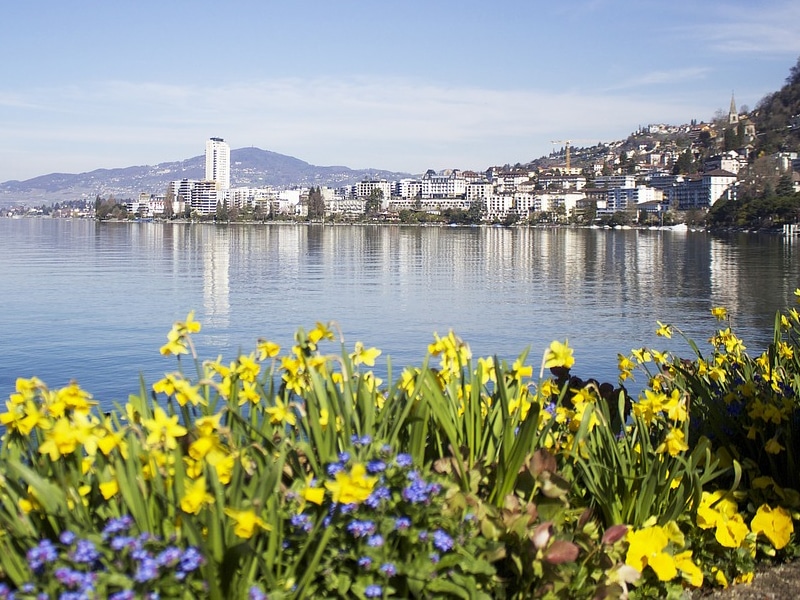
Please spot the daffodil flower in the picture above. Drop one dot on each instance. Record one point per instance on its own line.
(246, 522)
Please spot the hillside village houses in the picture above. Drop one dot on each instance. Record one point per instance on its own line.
(639, 181)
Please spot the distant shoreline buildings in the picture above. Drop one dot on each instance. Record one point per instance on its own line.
(639, 181)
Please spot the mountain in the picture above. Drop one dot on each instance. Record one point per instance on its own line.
(251, 167)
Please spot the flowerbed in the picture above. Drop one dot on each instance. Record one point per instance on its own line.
(303, 475)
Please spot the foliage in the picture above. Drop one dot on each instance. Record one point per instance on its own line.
(756, 213)
(303, 474)
(774, 116)
(109, 208)
(316, 204)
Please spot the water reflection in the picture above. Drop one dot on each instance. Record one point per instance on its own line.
(97, 299)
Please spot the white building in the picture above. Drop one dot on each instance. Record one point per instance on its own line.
(702, 192)
(498, 206)
(624, 198)
(407, 188)
(728, 161)
(451, 185)
(478, 191)
(615, 181)
(218, 163)
(205, 197)
(365, 189)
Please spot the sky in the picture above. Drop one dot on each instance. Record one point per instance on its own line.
(403, 86)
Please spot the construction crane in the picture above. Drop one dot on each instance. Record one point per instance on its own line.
(566, 148)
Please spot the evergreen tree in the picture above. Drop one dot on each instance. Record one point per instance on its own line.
(169, 198)
(685, 163)
(374, 202)
(316, 204)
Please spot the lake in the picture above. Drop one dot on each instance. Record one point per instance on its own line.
(93, 301)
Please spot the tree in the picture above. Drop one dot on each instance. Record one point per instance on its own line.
(731, 139)
(685, 163)
(169, 198)
(784, 188)
(794, 74)
(374, 202)
(222, 211)
(475, 213)
(316, 204)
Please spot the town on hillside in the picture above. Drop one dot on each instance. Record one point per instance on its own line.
(740, 169)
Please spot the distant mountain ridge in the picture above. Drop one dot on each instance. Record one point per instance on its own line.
(251, 167)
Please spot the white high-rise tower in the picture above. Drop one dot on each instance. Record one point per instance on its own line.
(218, 163)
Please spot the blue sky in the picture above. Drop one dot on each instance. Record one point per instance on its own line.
(404, 86)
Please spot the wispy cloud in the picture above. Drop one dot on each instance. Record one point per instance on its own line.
(360, 122)
(751, 28)
(661, 78)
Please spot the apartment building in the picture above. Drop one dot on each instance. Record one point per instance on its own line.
(218, 162)
(702, 191)
(615, 181)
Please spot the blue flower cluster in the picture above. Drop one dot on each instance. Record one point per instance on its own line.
(399, 520)
(418, 490)
(76, 568)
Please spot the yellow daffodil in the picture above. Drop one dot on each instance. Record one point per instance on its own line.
(719, 313)
(24, 418)
(25, 389)
(324, 416)
(558, 355)
(63, 439)
(281, 414)
(675, 407)
(109, 489)
(372, 383)
(249, 393)
(775, 523)
(520, 371)
(196, 496)
(247, 368)
(408, 380)
(674, 443)
(312, 493)
(75, 398)
(664, 330)
(321, 331)
(223, 465)
(293, 375)
(267, 349)
(175, 344)
(362, 355)
(773, 446)
(353, 487)
(625, 366)
(189, 325)
(186, 393)
(163, 429)
(453, 353)
(110, 440)
(246, 522)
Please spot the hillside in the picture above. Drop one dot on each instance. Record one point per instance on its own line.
(249, 167)
(777, 116)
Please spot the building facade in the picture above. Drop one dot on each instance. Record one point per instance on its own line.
(218, 163)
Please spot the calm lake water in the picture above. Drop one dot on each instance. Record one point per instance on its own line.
(93, 301)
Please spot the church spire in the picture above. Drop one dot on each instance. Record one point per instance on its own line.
(733, 114)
